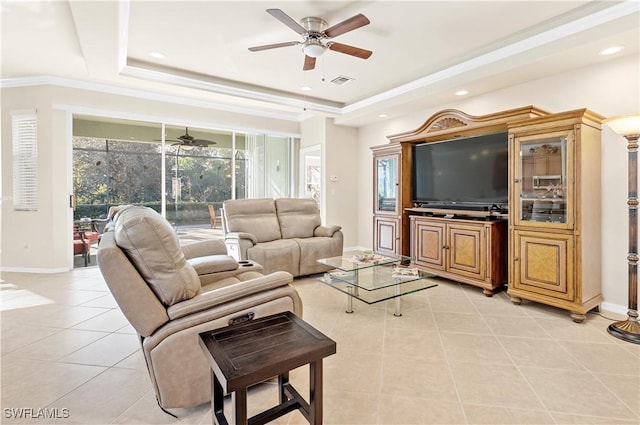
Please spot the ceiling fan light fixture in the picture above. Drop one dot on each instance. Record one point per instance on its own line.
(313, 48)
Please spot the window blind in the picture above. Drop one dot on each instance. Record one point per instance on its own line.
(25, 160)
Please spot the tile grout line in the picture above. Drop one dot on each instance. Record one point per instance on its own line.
(447, 360)
(515, 365)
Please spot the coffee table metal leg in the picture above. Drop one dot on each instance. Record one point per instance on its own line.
(350, 299)
(397, 313)
(356, 287)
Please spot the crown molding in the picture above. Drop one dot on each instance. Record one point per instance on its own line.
(44, 80)
(175, 79)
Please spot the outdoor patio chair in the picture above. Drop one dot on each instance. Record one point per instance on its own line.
(215, 218)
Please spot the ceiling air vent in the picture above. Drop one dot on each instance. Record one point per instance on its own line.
(341, 79)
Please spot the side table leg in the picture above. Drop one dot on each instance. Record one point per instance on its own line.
(283, 379)
(315, 392)
(349, 299)
(217, 401)
(239, 405)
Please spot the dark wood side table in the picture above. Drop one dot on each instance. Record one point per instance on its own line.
(248, 353)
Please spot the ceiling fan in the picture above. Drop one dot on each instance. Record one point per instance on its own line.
(187, 140)
(314, 31)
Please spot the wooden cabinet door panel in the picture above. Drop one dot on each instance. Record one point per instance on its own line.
(545, 264)
(466, 250)
(386, 235)
(429, 244)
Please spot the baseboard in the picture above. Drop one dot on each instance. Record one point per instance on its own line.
(614, 308)
(31, 270)
(354, 248)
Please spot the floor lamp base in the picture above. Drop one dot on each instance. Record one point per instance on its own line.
(627, 330)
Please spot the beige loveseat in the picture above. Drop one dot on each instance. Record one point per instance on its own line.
(170, 294)
(280, 234)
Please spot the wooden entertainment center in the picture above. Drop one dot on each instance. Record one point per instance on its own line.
(545, 245)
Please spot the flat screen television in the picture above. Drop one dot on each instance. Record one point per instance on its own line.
(470, 172)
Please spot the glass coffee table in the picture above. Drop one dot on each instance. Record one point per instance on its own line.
(374, 278)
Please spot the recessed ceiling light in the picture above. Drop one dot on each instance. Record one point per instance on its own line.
(157, 55)
(461, 92)
(383, 116)
(611, 50)
(305, 88)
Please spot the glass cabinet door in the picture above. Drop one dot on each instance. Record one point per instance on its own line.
(541, 180)
(386, 178)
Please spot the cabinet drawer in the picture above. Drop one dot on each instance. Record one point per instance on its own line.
(544, 264)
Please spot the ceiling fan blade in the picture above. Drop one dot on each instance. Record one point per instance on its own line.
(273, 46)
(287, 20)
(350, 50)
(203, 142)
(348, 25)
(309, 63)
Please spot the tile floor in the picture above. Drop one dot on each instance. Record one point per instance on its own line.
(454, 357)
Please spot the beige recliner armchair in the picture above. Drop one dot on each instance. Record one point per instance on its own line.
(170, 294)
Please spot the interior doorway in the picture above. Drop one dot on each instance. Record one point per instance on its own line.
(310, 185)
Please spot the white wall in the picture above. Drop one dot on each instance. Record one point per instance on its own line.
(611, 88)
(342, 194)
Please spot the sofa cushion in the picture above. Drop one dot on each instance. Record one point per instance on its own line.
(282, 254)
(152, 246)
(298, 218)
(255, 216)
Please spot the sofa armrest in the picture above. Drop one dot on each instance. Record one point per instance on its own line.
(204, 248)
(240, 236)
(326, 231)
(238, 243)
(218, 296)
(213, 264)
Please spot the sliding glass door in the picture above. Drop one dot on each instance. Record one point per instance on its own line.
(117, 162)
